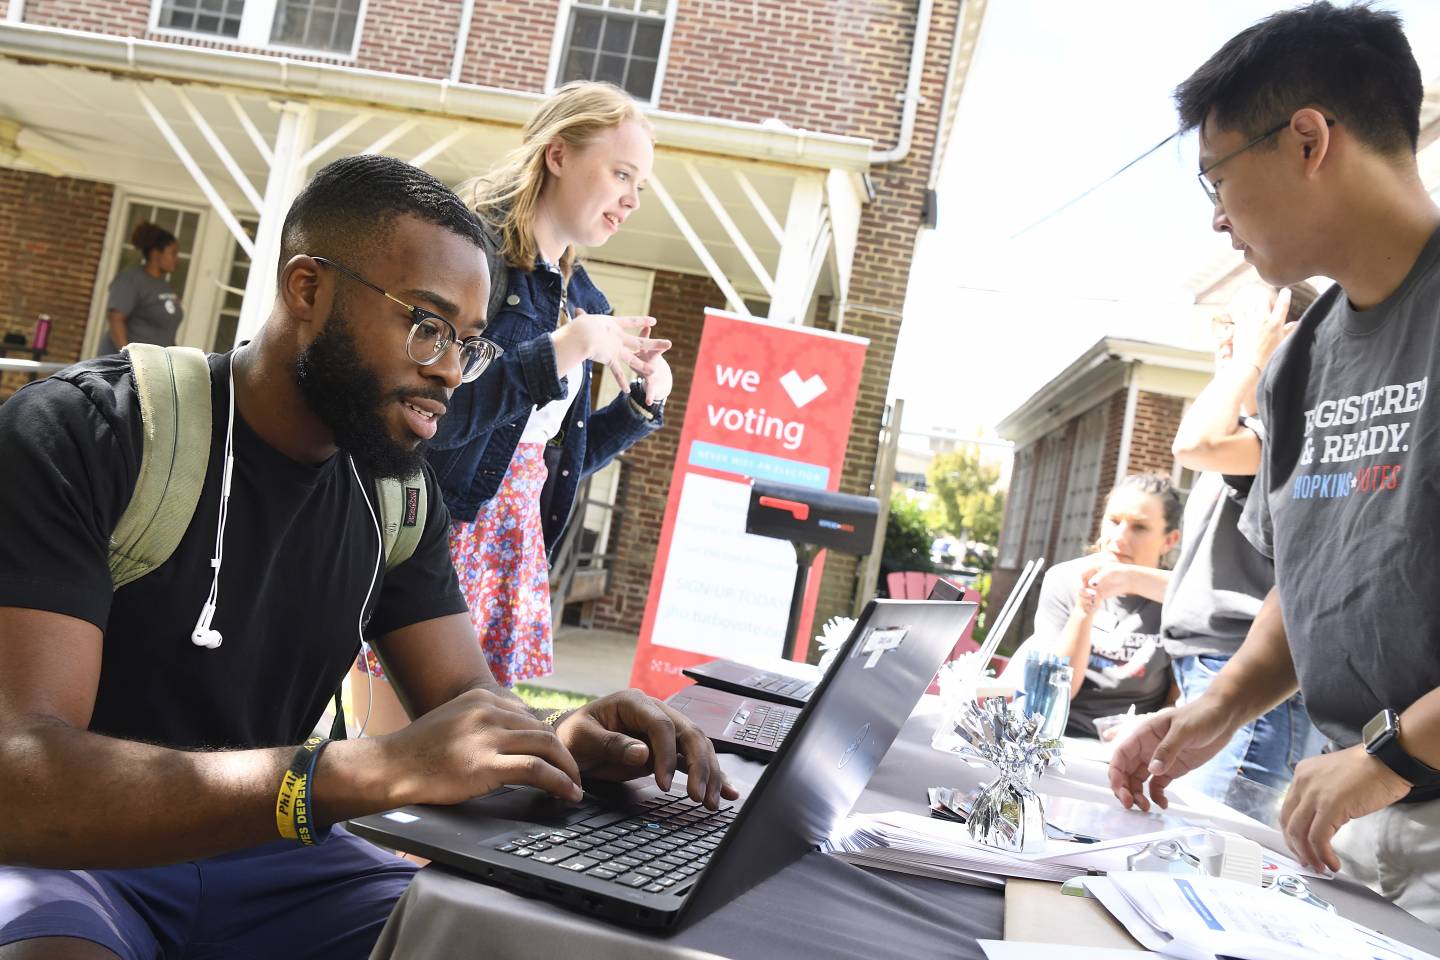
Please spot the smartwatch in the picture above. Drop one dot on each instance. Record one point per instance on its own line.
(1382, 741)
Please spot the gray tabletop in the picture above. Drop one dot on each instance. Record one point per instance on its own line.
(818, 906)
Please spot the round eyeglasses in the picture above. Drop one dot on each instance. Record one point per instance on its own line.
(431, 334)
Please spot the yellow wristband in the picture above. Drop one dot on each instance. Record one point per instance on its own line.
(293, 786)
(554, 718)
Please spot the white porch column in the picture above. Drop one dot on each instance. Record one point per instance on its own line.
(845, 198)
(287, 176)
(792, 275)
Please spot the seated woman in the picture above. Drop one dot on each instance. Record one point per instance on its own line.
(1103, 610)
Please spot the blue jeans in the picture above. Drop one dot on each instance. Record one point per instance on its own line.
(1264, 751)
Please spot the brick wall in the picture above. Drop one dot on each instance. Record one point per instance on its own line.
(678, 303)
(509, 44)
(834, 65)
(123, 18)
(52, 233)
(1157, 417)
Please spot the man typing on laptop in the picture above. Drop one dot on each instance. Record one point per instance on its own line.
(155, 802)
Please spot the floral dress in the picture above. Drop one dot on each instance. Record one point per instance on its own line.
(500, 562)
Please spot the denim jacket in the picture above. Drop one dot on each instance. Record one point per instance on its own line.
(477, 437)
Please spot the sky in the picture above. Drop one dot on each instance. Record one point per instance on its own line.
(1060, 96)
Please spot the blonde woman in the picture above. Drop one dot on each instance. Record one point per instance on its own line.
(515, 444)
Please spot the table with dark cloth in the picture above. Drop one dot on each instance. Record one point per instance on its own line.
(818, 906)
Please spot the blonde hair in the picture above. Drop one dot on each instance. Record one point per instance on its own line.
(508, 197)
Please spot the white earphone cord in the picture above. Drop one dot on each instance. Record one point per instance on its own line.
(360, 623)
(205, 635)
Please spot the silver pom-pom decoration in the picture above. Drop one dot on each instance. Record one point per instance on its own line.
(1008, 814)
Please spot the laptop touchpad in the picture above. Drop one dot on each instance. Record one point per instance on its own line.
(710, 716)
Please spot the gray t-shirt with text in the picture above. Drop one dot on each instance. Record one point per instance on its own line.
(150, 305)
(1347, 500)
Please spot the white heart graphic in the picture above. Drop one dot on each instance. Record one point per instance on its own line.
(802, 391)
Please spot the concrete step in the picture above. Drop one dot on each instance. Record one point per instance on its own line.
(590, 662)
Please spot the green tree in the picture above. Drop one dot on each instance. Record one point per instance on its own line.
(907, 537)
(966, 503)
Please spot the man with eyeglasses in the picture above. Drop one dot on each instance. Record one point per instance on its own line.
(1309, 123)
(155, 802)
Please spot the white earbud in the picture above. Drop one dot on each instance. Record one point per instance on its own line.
(204, 635)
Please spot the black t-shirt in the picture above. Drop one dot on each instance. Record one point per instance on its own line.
(300, 551)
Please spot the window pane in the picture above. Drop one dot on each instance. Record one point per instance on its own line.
(640, 83)
(647, 39)
(653, 6)
(345, 32)
(289, 25)
(617, 35)
(185, 235)
(585, 30)
(322, 22)
(618, 48)
(220, 17)
(611, 69)
(316, 24)
(578, 66)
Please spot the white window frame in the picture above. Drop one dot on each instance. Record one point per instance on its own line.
(256, 24)
(557, 45)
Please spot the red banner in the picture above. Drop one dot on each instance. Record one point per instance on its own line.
(768, 401)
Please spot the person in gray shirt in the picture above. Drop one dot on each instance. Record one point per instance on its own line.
(142, 307)
(1309, 123)
(1220, 580)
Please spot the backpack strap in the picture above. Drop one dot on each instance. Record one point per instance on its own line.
(404, 505)
(173, 384)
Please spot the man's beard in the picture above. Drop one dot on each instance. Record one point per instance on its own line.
(347, 397)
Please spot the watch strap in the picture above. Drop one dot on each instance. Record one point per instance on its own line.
(1387, 750)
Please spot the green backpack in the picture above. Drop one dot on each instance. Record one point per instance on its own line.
(174, 388)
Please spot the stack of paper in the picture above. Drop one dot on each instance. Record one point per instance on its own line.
(928, 847)
(1203, 918)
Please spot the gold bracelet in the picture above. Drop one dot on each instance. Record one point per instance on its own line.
(553, 718)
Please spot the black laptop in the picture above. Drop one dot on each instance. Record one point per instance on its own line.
(639, 856)
(748, 681)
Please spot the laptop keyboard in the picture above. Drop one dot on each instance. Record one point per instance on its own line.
(781, 684)
(658, 844)
(764, 724)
